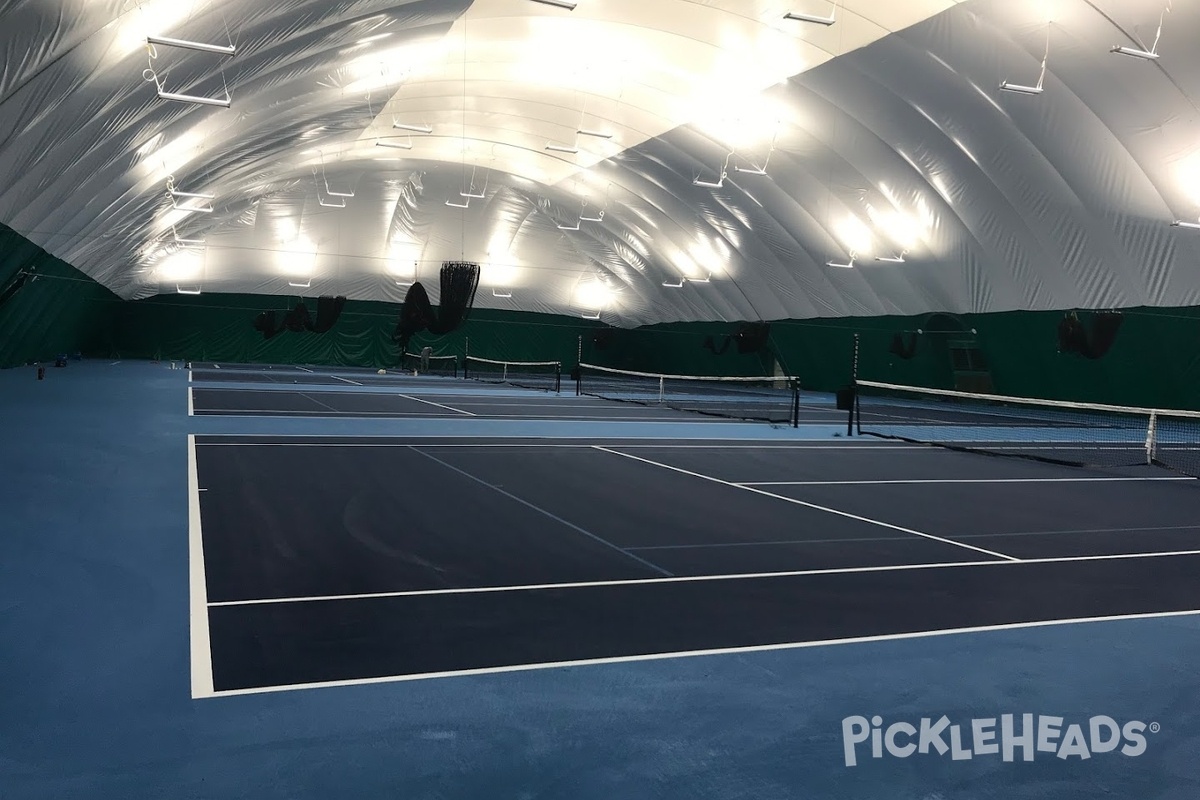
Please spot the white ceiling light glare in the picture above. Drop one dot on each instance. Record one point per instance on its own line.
(815, 19)
(1016, 88)
(1182, 223)
(404, 126)
(1143, 53)
(395, 144)
(893, 259)
(848, 265)
(502, 293)
(678, 285)
(766, 162)
(594, 294)
(562, 148)
(563, 4)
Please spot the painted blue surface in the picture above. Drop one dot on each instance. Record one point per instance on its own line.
(94, 664)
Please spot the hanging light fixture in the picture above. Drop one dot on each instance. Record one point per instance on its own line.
(1142, 53)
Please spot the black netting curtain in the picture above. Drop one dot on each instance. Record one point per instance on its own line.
(460, 280)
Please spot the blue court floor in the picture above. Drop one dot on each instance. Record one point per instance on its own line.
(437, 589)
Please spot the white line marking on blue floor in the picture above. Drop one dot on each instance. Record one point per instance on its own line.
(814, 506)
(191, 403)
(306, 369)
(544, 512)
(939, 481)
(764, 648)
(439, 405)
(698, 578)
(318, 402)
(201, 651)
(767, 444)
(345, 380)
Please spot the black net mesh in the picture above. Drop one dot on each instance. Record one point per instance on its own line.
(546, 375)
(437, 365)
(1079, 434)
(766, 399)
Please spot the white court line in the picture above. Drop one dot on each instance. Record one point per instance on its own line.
(113, 364)
(544, 512)
(533, 587)
(400, 415)
(766, 443)
(763, 648)
(439, 405)
(814, 506)
(202, 673)
(306, 369)
(318, 402)
(345, 380)
(191, 403)
(1086, 479)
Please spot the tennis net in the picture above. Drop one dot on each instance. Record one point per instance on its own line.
(767, 399)
(545, 375)
(1078, 434)
(438, 365)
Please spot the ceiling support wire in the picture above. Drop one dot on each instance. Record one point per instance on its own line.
(1038, 87)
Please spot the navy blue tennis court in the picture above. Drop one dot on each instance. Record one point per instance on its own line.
(355, 559)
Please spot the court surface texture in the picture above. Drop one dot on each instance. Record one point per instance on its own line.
(255, 581)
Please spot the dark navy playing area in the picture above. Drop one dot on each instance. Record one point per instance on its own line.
(349, 559)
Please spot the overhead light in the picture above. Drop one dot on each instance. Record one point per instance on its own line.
(453, 204)
(181, 290)
(1017, 88)
(395, 145)
(597, 134)
(223, 102)
(893, 259)
(1185, 224)
(166, 41)
(321, 200)
(848, 265)
(556, 3)
(1145, 55)
(402, 126)
(593, 219)
(709, 184)
(404, 283)
(670, 285)
(749, 171)
(562, 148)
(562, 227)
(802, 17)
(472, 194)
(332, 193)
(705, 279)
(498, 293)
(197, 195)
(374, 38)
(185, 242)
(301, 285)
(591, 316)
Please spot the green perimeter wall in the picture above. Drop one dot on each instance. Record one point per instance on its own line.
(1155, 360)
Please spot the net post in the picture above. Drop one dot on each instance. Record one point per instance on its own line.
(795, 403)
(558, 378)
(661, 388)
(1151, 437)
(853, 415)
(579, 380)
